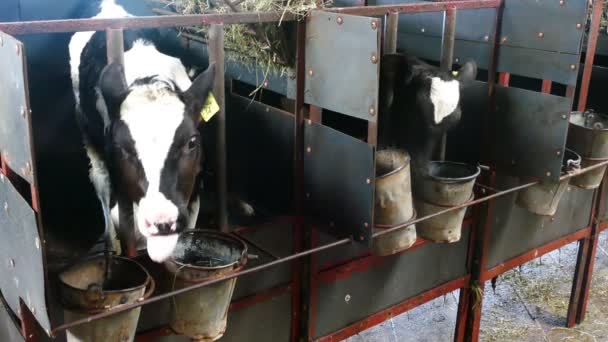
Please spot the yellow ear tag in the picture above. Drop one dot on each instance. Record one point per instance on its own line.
(455, 73)
(210, 108)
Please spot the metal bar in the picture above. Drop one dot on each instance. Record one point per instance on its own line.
(546, 87)
(301, 269)
(115, 46)
(598, 6)
(216, 55)
(590, 262)
(316, 114)
(416, 7)
(395, 310)
(485, 213)
(448, 38)
(573, 304)
(391, 27)
(96, 24)
(535, 253)
(256, 245)
(504, 78)
(447, 58)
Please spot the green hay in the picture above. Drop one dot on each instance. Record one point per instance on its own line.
(263, 44)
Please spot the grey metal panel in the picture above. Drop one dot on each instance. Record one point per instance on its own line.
(260, 159)
(339, 180)
(522, 22)
(398, 278)
(515, 231)
(21, 255)
(530, 133)
(539, 64)
(340, 253)
(15, 128)
(277, 239)
(344, 78)
(268, 321)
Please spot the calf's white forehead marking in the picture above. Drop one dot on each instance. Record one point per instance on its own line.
(444, 96)
(152, 114)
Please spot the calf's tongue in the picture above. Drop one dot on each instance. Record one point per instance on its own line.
(160, 247)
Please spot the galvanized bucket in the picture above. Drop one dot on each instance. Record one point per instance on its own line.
(82, 295)
(396, 241)
(393, 197)
(443, 228)
(588, 134)
(592, 179)
(447, 183)
(202, 255)
(543, 198)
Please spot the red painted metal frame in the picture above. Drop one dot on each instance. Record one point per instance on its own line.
(395, 310)
(535, 253)
(590, 53)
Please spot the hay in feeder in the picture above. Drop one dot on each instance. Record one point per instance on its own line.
(265, 44)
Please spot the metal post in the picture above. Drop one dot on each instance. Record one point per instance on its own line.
(447, 59)
(390, 32)
(482, 229)
(598, 6)
(216, 55)
(115, 46)
(126, 229)
(302, 274)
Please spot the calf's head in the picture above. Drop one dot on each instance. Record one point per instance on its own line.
(154, 151)
(419, 102)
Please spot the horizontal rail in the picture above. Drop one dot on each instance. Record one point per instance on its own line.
(99, 24)
(416, 7)
(337, 243)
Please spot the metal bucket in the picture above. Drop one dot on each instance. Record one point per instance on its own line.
(393, 197)
(592, 179)
(202, 255)
(396, 241)
(543, 199)
(588, 134)
(443, 228)
(447, 183)
(82, 295)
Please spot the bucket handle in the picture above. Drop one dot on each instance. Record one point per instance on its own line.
(150, 290)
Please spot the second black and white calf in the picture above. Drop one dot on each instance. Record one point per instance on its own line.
(139, 122)
(419, 102)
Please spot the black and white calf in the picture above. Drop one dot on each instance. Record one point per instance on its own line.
(139, 123)
(418, 103)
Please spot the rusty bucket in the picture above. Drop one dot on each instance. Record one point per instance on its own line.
(592, 179)
(443, 228)
(393, 197)
(543, 198)
(588, 134)
(83, 293)
(203, 255)
(447, 183)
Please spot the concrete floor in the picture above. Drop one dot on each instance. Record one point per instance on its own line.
(529, 304)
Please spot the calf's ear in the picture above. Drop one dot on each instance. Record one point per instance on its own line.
(196, 96)
(467, 72)
(113, 87)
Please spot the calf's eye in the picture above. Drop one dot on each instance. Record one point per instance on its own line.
(193, 143)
